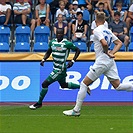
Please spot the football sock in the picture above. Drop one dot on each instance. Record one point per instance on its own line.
(80, 97)
(42, 95)
(125, 87)
(73, 86)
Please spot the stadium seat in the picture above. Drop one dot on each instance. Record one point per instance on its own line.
(4, 39)
(92, 47)
(130, 47)
(40, 47)
(81, 2)
(125, 3)
(86, 15)
(22, 34)
(41, 37)
(5, 34)
(22, 47)
(4, 47)
(81, 45)
(41, 34)
(131, 34)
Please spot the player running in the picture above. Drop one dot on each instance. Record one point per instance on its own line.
(104, 64)
(60, 49)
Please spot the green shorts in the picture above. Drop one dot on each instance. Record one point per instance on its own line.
(55, 75)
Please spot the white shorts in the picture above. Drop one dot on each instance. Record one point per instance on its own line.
(109, 69)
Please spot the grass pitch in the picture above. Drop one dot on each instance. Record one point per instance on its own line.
(50, 119)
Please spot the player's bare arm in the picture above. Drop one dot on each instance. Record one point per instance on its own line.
(118, 45)
(46, 56)
(105, 48)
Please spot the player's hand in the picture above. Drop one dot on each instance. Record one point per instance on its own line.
(70, 63)
(111, 55)
(42, 62)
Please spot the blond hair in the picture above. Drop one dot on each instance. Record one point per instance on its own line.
(100, 17)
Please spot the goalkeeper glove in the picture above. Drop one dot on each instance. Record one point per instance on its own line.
(42, 62)
(70, 63)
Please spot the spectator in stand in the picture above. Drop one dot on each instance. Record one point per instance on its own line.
(62, 11)
(129, 20)
(107, 6)
(101, 9)
(60, 25)
(119, 9)
(79, 28)
(75, 8)
(42, 13)
(89, 5)
(29, 1)
(5, 12)
(21, 12)
(119, 28)
(67, 3)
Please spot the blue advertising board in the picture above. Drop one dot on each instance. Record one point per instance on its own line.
(21, 82)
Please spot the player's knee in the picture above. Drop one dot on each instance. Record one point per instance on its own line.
(45, 84)
(64, 85)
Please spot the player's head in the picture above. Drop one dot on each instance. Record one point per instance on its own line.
(60, 34)
(100, 18)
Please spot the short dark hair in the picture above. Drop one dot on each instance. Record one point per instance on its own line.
(117, 13)
(78, 13)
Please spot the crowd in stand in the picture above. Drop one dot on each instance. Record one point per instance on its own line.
(68, 15)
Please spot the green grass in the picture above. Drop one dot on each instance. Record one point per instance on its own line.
(50, 119)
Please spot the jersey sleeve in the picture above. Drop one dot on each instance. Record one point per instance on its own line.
(70, 45)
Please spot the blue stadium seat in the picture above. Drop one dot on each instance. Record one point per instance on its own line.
(5, 34)
(22, 34)
(4, 39)
(131, 33)
(41, 38)
(40, 47)
(92, 47)
(4, 47)
(81, 2)
(81, 45)
(41, 34)
(22, 39)
(22, 47)
(130, 47)
(86, 15)
(125, 4)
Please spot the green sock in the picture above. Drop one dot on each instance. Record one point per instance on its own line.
(42, 95)
(73, 86)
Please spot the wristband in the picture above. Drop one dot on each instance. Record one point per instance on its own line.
(73, 61)
(43, 60)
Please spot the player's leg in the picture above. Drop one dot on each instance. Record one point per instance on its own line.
(43, 92)
(51, 78)
(80, 98)
(122, 86)
(91, 76)
(113, 77)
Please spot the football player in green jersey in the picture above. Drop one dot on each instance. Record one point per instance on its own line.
(60, 49)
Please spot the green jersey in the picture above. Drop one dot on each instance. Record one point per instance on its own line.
(60, 52)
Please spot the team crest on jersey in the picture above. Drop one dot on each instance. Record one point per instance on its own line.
(59, 48)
